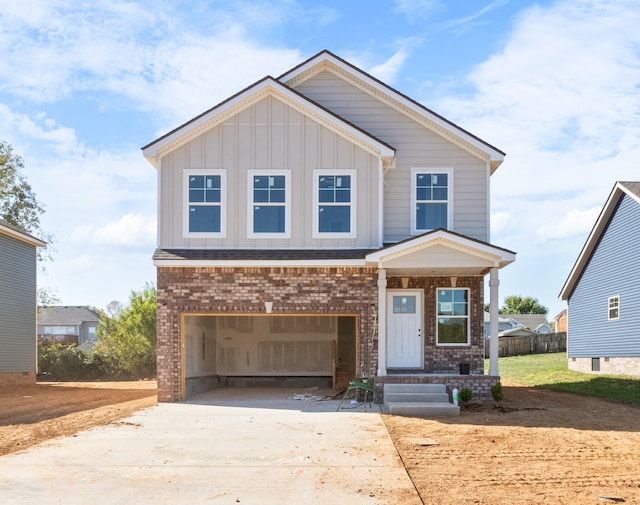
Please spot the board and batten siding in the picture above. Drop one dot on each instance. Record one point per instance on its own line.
(17, 305)
(416, 146)
(613, 270)
(269, 135)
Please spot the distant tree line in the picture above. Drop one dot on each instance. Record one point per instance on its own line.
(516, 304)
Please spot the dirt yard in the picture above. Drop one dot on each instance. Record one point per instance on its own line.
(538, 447)
(32, 414)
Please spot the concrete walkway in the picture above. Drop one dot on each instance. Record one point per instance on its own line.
(258, 447)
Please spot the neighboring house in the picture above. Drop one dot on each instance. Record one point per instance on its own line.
(518, 331)
(321, 225)
(504, 323)
(537, 323)
(561, 321)
(68, 325)
(603, 290)
(18, 267)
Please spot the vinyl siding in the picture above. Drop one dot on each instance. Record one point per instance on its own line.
(613, 270)
(17, 305)
(416, 146)
(268, 135)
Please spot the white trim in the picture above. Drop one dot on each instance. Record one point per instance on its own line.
(413, 200)
(186, 204)
(262, 89)
(380, 203)
(259, 263)
(326, 61)
(23, 237)
(499, 257)
(353, 203)
(251, 173)
(420, 315)
(468, 317)
(618, 191)
(615, 297)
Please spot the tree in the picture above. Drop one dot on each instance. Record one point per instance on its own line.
(128, 335)
(515, 304)
(18, 203)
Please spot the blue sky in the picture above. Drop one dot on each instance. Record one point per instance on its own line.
(83, 85)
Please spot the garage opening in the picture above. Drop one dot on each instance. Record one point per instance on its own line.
(268, 350)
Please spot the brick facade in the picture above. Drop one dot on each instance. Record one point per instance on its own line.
(608, 366)
(17, 378)
(303, 291)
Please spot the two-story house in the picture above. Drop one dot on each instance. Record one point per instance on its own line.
(68, 324)
(18, 293)
(322, 224)
(602, 290)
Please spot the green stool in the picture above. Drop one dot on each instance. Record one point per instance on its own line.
(362, 384)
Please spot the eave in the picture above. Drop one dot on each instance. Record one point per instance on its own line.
(267, 87)
(327, 61)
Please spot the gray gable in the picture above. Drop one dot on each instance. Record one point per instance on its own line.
(69, 315)
(530, 321)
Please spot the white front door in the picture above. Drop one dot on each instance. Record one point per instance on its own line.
(404, 329)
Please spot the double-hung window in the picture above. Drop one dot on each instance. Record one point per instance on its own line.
(269, 204)
(453, 316)
(205, 203)
(334, 200)
(614, 308)
(431, 200)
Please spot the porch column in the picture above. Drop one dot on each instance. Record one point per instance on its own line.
(382, 322)
(493, 322)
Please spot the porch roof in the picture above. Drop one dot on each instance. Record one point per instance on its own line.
(441, 252)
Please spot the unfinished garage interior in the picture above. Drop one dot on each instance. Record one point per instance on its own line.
(267, 350)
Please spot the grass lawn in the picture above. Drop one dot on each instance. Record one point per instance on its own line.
(551, 371)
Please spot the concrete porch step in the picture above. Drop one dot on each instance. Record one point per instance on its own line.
(415, 388)
(420, 409)
(410, 396)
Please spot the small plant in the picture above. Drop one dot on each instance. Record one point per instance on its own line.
(465, 395)
(496, 392)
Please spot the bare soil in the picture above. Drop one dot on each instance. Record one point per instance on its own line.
(32, 414)
(536, 447)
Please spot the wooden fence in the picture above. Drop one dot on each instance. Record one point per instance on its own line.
(533, 344)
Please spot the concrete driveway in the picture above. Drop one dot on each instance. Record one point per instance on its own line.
(247, 446)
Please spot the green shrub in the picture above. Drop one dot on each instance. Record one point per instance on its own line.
(496, 392)
(465, 395)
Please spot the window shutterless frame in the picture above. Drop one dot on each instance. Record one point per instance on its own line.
(204, 196)
(268, 203)
(613, 311)
(334, 203)
(452, 313)
(431, 199)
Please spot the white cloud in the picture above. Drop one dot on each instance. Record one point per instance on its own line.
(416, 8)
(500, 221)
(131, 230)
(575, 222)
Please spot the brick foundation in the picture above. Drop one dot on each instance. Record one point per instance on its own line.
(608, 366)
(479, 384)
(17, 378)
(304, 291)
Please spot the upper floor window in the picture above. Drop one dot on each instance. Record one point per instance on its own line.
(334, 200)
(432, 206)
(614, 307)
(453, 316)
(269, 202)
(205, 207)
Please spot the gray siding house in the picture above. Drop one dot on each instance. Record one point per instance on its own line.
(320, 226)
(603, 290)
(18, 259)
(68, 324)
